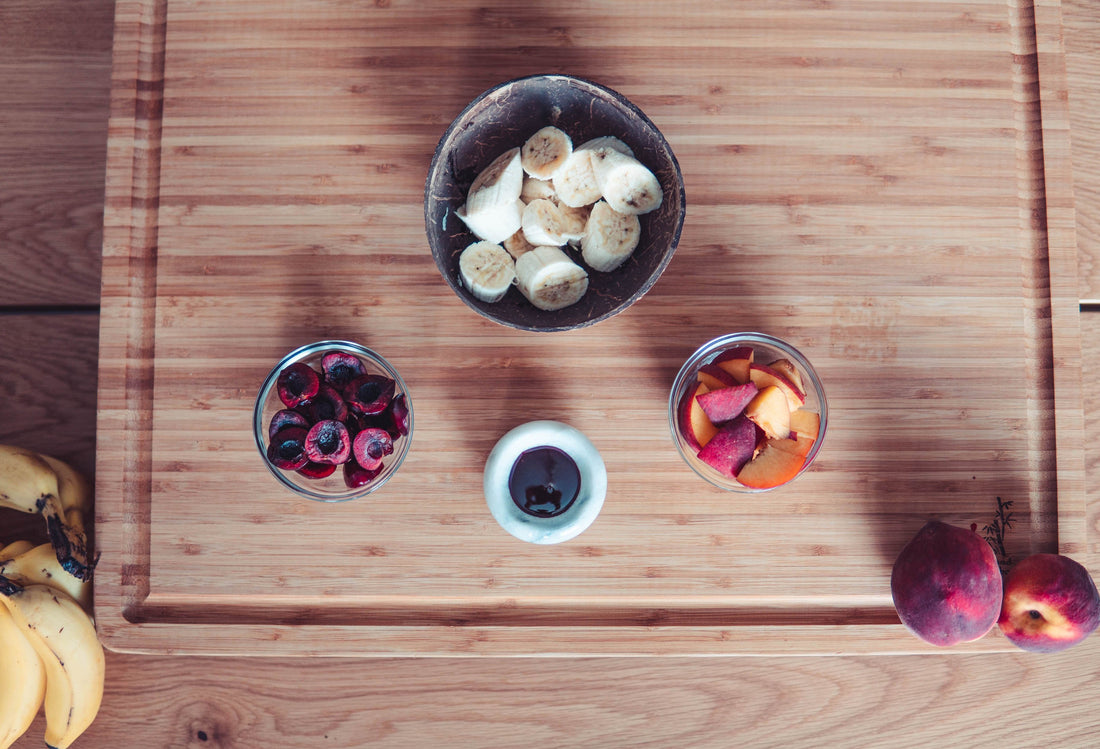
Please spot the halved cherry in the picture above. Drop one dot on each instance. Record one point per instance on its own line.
(355, 422)
(340, 368)
(287, 417)
(356, 475)
(369, 394)
(399, 407)
(317, 470)
(297, 383)
(286, 449)
(370, 446)
(327, 404)
(328, 442)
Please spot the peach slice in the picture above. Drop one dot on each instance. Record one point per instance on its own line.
(770, 468)
(805, 424)
(731, 448)
(694, 424)
(714, 377)
(725, 404)
(790, 371)
(769, 410)
(736, 361)
(764, 376)
(799, 445)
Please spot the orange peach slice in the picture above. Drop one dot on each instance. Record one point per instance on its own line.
(770, 468)
(770, 412)
(736, 361)
(763, 376)
(694, 424)
(788, 370)
(714, 377)
(805, 424)
(799, 445)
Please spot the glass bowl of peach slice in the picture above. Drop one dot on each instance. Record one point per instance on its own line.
(747, 412)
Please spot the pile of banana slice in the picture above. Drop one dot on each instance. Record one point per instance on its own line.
(51, 659)
(533, 201)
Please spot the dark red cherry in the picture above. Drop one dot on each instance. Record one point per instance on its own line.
(371, 445)
(356, 475)
(327, 404)
(286, 449)
(399, 407)
(328, 442)
(286, 418)
(297, 383)
(317, 470)
(340, 368)
(369, 394)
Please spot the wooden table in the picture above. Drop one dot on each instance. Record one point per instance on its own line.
(1004, 700)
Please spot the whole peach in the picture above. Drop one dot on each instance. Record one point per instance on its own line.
(946, 585)
(1050, 604)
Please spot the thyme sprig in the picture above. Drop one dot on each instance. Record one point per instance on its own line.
(995, 533)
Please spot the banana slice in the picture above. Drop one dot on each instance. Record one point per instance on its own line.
(606, 141)
(573, 218)
(517, 244)
(545, 152)
(575, 183)
(491, 210)
(498, 184)
(574, 221)
(544, 224)
(625, 183)
(494, 224)
(537, 189)
(550, 279)
(486, 270)
(609, 238)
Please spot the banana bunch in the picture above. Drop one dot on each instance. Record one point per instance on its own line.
(34, 483)
(50, 658)
(533, 201)
(50, 655)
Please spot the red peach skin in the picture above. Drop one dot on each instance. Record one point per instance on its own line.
(1050, 604)
(946, 585)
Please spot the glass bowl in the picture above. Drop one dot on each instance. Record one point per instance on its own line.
(334, 487)
(744, 457)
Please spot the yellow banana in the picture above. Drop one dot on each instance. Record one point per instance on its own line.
(14, 549)
(39, 565)
(26, 480)
(74, 490)
(22, 681)
(29, 483)
(64, 637)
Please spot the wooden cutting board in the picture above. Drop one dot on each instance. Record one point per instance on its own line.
(886, 185)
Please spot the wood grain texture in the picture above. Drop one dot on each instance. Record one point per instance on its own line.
(781, 702)
(54, 59)
(923, 191)
(1081, 19)
(49, 381)
(255, 158)
(983, 700)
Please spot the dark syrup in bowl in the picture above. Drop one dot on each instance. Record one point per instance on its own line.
(544, 482)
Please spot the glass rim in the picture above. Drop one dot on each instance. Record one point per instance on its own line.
(712, 348)
(259, 428)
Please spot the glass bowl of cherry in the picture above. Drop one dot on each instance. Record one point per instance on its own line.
(333, 421)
